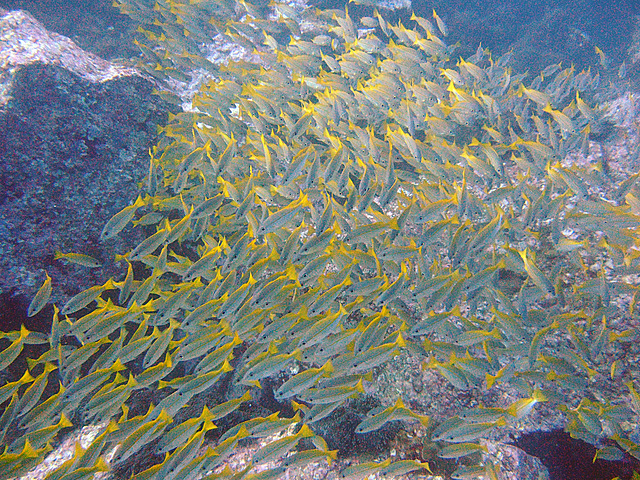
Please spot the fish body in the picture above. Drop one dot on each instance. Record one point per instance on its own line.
(41, 297)
(120, 220)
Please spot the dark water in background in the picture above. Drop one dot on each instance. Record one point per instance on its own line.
(541, 31)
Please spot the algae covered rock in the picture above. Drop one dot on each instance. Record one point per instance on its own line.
(75, 133)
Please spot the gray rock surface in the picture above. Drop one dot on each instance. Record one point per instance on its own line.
(74, 137)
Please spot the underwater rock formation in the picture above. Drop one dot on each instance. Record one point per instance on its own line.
(24, 40)
(75, 131)
(94, 25)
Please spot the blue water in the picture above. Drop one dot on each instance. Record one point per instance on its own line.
(541, 31)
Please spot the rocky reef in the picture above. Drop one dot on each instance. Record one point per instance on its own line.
(76, 131)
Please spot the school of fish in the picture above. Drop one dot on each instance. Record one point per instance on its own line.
(354, 192)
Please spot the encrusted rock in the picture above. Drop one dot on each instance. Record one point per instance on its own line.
(74, 146)
(24, 40)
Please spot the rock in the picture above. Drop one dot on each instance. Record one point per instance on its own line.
(94, 25)
(516, 464)
(74, 146)
(24, 40)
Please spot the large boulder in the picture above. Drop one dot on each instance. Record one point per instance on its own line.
(75, 133)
